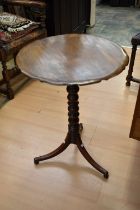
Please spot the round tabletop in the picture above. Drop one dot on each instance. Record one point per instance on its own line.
(72, 59)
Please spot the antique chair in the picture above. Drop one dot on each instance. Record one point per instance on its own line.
(17, 31)
(135, 42)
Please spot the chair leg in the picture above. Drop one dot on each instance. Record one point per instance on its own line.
(131, 65)
(6, 77)
(15, 62)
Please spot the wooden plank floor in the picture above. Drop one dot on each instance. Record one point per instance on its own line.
(35, 123)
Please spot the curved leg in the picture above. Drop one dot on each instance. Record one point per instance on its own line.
(92, 161)
(52, 154)
(74, 132)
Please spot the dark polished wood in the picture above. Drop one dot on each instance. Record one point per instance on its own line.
(122, 2)
(135, 127)
(135, 43)
(72, 60)
(129, 77)
(74, 132)
(67, 16)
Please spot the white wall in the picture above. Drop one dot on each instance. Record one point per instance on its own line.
(93, 12)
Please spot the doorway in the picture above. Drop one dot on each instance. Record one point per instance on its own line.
(116, 23)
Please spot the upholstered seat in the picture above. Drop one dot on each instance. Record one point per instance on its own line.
(13, 26)
(15, 32)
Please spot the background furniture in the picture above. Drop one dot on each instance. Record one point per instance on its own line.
(76, 60)
(135, 42)
(67, 16)
(122, 2)
(135, 127)
(9, 48)
(98, 2)
(137, 3)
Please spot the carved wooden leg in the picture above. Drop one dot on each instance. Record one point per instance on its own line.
(74, 132)
(9, 91)
(16, 67)
(75, 128)
(131, 65)
(92, 161)
(52, 154)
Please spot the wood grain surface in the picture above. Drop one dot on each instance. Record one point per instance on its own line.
(72, 59)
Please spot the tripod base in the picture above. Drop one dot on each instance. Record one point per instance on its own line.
(74, 132)
(81, 148)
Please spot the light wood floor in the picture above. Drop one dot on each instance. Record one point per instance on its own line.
(35, 122)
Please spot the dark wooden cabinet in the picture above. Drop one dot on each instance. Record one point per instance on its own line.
(135, 128)
(122, 2)
(67, 16)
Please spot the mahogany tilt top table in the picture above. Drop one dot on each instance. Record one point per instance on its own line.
(72, 60)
